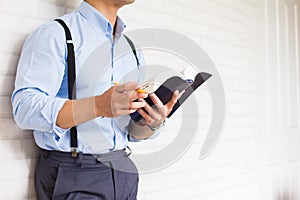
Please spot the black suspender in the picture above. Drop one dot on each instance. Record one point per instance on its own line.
(133, 50)
(71, 81)
(72, 77)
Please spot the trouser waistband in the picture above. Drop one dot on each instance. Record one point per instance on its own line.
(84, 158)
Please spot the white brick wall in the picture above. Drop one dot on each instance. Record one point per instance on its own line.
(17, 20)
(224, 29)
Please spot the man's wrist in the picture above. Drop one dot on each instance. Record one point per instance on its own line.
(100, 110)
(156, 128)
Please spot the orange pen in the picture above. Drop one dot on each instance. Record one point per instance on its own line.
(141, 91)
(137, 90)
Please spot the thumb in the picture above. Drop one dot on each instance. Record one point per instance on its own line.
(173, 100)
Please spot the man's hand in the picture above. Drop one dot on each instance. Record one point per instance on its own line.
(119, 100)
(156, 114)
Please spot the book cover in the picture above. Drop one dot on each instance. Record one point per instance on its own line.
(165, 91)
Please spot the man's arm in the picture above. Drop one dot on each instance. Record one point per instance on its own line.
(39, 76)
(115, 102)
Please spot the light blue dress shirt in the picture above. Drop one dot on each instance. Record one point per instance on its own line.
(41, 86)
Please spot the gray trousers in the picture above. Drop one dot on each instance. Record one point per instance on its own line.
(112, 176)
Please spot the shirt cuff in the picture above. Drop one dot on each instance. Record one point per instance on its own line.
(50, 113)
(132, 139)
(155, 135)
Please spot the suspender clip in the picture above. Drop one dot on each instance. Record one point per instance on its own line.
(74, 152)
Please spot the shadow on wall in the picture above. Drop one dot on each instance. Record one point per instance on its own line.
(286, 196)
(19, 144)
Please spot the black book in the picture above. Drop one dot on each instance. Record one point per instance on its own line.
(166, 90)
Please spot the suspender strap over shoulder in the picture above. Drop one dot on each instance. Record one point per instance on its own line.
(71, 81)
(72, 77)
(133, 50)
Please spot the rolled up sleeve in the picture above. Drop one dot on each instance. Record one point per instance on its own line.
(39, 77)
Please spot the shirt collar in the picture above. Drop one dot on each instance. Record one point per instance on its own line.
(98, 20)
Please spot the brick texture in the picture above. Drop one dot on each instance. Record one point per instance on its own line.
(225, 29)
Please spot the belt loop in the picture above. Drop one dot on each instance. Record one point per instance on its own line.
(78, 159)
(44, 154)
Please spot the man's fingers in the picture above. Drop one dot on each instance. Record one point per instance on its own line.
(127, 87)
(157, 102)
(123, 112)
(145, 115)
(152, 112)
(136, 105)
(130, 108)
(128, 92)
(173, 100)
(133, 95)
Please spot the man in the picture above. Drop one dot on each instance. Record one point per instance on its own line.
(40, 102)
